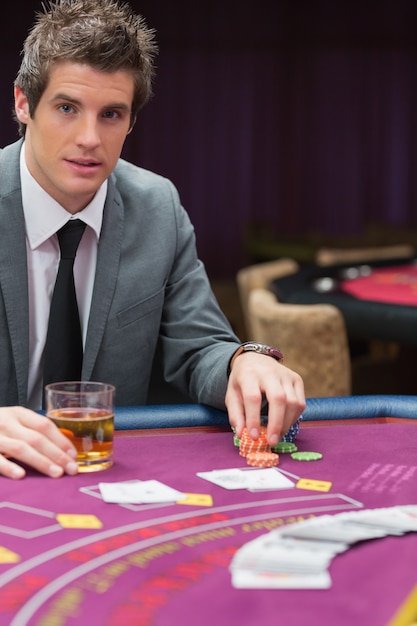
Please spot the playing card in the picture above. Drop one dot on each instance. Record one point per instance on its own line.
(227, 478)
(333, 529)
(393, 520)
(139, 492)
(252, 479)
(267, 580)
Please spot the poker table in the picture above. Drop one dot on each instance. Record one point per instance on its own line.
(68, 558)
(378, 299)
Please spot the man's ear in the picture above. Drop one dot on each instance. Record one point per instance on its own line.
(132, 125)
(21, 106)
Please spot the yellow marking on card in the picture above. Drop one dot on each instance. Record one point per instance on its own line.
(7, 556)
(314, 485)
(197, 499)
(406, 615)
(69, 520)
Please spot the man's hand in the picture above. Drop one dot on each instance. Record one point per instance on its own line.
(35, 441)
(255, 377)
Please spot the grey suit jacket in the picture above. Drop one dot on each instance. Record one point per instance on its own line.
(151, 305)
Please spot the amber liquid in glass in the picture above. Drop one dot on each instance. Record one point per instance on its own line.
(91, 432)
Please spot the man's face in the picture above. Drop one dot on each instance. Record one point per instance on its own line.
(77, 132)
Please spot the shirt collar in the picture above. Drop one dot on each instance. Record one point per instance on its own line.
(44, 216)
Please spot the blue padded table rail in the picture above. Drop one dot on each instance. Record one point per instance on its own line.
(357, 407)
(331, 408)
(168, 416)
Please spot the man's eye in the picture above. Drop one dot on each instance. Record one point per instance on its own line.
(110, 115)
(66, 108)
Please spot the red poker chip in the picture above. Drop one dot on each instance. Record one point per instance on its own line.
(262, 459)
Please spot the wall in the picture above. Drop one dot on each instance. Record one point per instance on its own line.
(297, 114)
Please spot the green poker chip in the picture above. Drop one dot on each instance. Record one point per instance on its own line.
(284, 446)
(306, 456)
(236, 441)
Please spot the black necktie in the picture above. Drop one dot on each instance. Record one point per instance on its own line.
(64, 348)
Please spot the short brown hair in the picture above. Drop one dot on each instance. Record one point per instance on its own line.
(105, 34)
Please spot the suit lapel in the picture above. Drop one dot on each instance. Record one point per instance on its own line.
(13, 269)
(108, 257)
(13, 265)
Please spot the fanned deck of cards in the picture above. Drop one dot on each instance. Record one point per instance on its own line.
(298, 556)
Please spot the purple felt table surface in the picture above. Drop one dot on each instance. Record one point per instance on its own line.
(168, 565)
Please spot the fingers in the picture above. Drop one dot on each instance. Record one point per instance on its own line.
(255, 378)
(35, 441)
(284, 408)
(10, 469)
(39, 453)
(235, 410)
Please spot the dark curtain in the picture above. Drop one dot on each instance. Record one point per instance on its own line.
(298, 114)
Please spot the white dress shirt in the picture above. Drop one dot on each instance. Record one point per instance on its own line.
(43, 217)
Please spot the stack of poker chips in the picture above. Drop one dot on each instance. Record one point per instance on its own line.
(258, 452)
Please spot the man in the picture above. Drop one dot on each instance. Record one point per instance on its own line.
(142, 293)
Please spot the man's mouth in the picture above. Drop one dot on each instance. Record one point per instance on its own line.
(84, 163)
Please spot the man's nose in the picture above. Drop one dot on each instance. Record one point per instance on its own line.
(88, 133)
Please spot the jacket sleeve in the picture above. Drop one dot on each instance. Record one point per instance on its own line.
(196, 340)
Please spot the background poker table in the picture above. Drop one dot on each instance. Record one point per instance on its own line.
(68, 558)
(378, 299)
